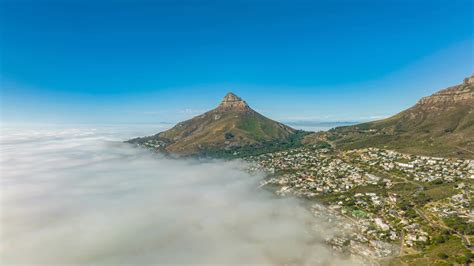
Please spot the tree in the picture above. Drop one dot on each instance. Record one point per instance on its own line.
(229, 135)
(443, 255)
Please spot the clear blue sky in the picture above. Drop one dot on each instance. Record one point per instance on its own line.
(151, 61)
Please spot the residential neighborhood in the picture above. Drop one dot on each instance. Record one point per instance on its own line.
(384, 203)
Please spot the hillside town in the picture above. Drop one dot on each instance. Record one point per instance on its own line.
(385, 204)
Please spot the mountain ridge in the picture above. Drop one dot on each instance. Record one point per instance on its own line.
(441, 124)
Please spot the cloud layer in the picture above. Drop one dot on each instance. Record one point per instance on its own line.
(73, 196)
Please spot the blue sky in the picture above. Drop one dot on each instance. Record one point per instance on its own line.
(164, 61)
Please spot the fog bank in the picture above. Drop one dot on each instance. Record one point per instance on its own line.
(78, 196)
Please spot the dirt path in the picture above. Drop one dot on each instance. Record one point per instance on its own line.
(466, 150)
(402, 242)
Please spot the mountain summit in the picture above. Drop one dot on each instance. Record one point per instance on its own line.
(232, 125)
(440, 125)
(232, 102)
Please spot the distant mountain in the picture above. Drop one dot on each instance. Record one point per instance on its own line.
(320, 124)
(317, 126)
(231, 126)
(439, 125)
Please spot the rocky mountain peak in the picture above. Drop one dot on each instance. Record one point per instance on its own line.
(231, 97)
(469, 80)
(227, 128)
(462, 93)
(233, 102)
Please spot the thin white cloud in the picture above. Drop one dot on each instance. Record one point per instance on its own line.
(191, 111)
(153, 112)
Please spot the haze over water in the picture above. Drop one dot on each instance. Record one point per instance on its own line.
(78, 195)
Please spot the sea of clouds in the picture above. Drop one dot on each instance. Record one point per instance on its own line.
(78, 195)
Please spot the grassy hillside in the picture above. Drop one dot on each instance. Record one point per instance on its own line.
(439, 125)
(231, 126)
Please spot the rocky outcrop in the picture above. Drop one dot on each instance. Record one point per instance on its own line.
(457, 94)
(439, 125)
(232, 102)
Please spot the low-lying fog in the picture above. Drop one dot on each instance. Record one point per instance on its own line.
(80, 196)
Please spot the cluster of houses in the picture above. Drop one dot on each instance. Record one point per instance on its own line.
(420, 168)
(310, 172)
(378, 223)
(459, 204)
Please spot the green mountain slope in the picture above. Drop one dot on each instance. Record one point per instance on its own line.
(233, 124)
(438, 125)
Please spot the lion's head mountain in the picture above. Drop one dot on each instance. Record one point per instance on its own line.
(231, 125)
